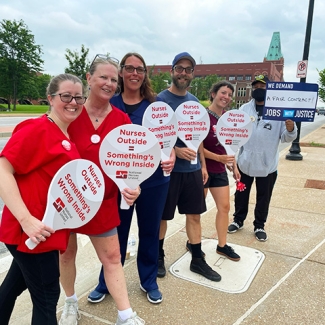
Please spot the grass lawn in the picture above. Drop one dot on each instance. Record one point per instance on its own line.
(24, 109)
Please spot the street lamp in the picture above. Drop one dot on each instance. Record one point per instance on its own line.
(295, 147)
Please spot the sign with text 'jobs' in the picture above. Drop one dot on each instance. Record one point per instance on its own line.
(290, 100)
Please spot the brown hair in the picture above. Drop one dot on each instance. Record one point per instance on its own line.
(146, 90)
(215, 87)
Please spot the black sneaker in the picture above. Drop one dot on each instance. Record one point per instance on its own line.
(189, 248)
(200, 266)
(234, 226)
(161, 267)
(260, 234)
(228, 252)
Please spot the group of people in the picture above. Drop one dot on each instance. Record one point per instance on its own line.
(119, 94)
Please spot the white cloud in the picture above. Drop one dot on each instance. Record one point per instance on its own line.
(223, 31)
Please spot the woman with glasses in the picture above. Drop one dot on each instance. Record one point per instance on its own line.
(38, 148)
(96, 120)
(136, 95)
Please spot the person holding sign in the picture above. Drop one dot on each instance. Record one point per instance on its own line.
(96, 120)
(37, 149)
(136, 95)
(187, 179)
(258, 159)
(216, 161)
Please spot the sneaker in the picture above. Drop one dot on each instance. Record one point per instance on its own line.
(234, 226)
(133, 320)
(96, 296)
(161, 267)
(228, 252)
(260, 234)
(189, 248)
(154, 296)
(200, 266)
(70, 314)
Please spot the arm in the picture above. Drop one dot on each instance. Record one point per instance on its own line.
(205, 174)
(168, 165)
(288, 131)
(9, 192)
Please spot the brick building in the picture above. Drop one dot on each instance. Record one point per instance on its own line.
(242, 74)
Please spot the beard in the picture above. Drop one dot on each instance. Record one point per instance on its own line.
(181, 85)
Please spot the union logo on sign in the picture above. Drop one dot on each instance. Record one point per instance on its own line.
(188, 137)
(228, 141)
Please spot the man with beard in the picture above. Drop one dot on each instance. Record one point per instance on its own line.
(187, 180)
(258, 159)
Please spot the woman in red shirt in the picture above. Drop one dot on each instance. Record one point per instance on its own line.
(37, 149)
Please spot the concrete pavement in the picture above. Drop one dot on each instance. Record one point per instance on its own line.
(288, 288)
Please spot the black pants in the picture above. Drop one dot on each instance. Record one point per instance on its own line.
(264, 188)
(39, 273)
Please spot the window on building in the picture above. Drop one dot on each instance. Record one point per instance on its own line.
(240, 103)
(240, 77)
(241, 92)
(248, 77)
(232, 77)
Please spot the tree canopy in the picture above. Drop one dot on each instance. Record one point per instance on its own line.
(78, 62)
(20, 59)
(321, 91)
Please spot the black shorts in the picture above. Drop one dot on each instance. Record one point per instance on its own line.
(186, 192)
(217, 180)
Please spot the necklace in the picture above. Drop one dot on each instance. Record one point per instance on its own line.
(101, 115)
(213, 113)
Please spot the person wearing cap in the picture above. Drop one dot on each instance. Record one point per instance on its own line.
(258, 159)
(186, 180)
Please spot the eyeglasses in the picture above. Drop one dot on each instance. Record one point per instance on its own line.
(131, 68)
(105, 57)
(180, 69)
(66, 98)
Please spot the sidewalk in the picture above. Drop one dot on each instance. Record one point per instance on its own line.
(288, 288)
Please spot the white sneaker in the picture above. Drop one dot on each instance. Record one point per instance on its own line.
(133, 320)
(70, 314)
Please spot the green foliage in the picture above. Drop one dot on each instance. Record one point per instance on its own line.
(321, 91)
(160, 81)
(26, 109)
(78, 62)
(20, 59)
(200, 86)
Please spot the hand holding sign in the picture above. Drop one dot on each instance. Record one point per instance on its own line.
(129, 154)
(233, 130)
(74, 196)
(160, 119)
(193, 124)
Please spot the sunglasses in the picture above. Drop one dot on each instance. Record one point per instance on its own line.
(105, 57)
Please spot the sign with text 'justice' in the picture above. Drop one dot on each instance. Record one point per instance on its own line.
(129, 154)
(290, 100)
(193, 124)
(160, 119)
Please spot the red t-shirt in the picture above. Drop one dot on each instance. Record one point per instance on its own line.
(212, 144)
(36, 153)
(81, 131)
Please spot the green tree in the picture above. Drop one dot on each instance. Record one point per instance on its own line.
(78, 62)
(321, 91)
(20, 58)
(160, 81)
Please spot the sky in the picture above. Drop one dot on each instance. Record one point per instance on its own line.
(212, 31)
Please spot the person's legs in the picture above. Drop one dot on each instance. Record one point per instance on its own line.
(41, 275)
(108, 251)
(264, 189)
(242, 199)
(68, 273)
(12, 286)
(149, 209)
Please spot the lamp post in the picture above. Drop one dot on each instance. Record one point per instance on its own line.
(295, 147)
